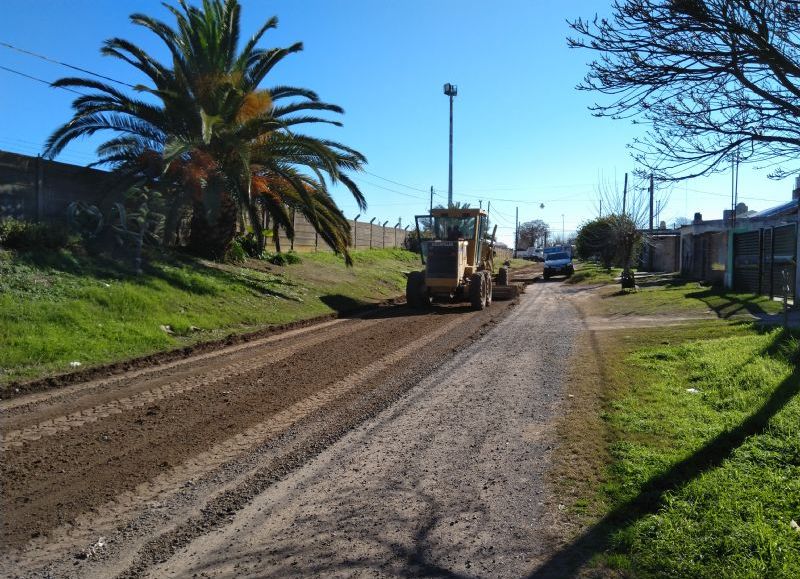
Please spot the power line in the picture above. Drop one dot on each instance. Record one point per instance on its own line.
(387, 188)
(73, 67)
(40, 80)
(397, 182)
(726, 195)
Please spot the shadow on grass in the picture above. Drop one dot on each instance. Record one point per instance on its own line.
(343, 305)
(567, 561)
(726, 304)
(182, 272)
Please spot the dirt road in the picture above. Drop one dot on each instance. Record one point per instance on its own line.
(388, 444)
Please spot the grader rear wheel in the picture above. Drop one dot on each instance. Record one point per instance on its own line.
(502, 276)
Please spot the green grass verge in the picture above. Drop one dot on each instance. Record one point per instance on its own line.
(592, 273)
(676, 296)
(707, 456)
(59, 308)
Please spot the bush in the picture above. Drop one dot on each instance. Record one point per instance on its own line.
(236, 252)
(249, 243)
(281, 258)
(27, 235)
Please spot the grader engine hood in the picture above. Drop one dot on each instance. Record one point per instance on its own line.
(445, 263)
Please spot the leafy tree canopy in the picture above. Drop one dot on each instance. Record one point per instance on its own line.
(531, 232)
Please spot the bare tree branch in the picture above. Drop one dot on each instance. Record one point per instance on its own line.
(710, 78)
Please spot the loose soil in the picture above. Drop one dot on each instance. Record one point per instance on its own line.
(130, 474)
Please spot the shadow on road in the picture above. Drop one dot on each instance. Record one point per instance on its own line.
(379, 551)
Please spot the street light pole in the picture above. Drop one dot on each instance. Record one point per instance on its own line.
(450, 90)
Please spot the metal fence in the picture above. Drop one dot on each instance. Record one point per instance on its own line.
(762, 256)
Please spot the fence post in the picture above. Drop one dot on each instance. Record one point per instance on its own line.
(772, 265)
(797, 259)
(370, 231)
(39, 169)
(294, 226)
(383, 234)
(355, 231)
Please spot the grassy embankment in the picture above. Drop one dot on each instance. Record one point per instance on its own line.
(692, 433)
(58, 308)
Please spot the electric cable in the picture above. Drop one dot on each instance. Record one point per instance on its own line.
(73, 67)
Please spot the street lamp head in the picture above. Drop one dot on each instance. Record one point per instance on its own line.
(450, 89)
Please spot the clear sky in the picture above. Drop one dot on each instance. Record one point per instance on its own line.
(523, 134)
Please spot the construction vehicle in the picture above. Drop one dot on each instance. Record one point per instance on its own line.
(458, 255)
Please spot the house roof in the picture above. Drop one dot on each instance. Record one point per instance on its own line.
(788, 207)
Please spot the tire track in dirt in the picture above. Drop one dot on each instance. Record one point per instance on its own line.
(124, 505)
(447, 482)
(68, 475)
(229, 355)
(52, 426)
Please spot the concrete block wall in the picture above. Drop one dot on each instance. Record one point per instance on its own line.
(37, 189)
(33, 188)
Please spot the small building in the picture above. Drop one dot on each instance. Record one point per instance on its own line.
(747, 251)
(661, 252)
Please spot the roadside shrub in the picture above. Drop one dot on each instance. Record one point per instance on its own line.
(236, 253)
(283, 258)
(27, 235)
(249, 243)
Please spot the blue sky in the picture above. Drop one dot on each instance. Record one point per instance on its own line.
(523, 134)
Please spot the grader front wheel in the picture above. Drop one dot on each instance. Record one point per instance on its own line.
(477, 291)
(416, 294)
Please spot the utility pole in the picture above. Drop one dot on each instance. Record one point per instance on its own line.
(450, 90)
(563, 235)
(650, 245)
(651, 203)
(625, 194)
(516, 233)
(431, 209)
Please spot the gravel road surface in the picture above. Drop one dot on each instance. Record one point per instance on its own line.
(448, 481)
(391, 444)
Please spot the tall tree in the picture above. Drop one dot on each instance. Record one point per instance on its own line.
(208, 126)
(531, 232)
(713, 79)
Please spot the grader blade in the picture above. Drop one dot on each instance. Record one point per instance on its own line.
(507, 292)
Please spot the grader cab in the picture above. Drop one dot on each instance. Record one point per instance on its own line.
(458, 255)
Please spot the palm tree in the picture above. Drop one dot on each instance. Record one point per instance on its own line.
(207, 127)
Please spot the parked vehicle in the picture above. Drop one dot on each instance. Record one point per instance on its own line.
(558, 263)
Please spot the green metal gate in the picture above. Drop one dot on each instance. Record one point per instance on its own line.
(783, 255)
(746, 258)
(760, 258)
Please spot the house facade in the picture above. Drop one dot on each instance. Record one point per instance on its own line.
(747, 251)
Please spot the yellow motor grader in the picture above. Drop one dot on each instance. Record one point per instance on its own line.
(458, 256)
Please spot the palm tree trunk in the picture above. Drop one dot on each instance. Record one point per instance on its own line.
(276, 236)
(212, 240)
